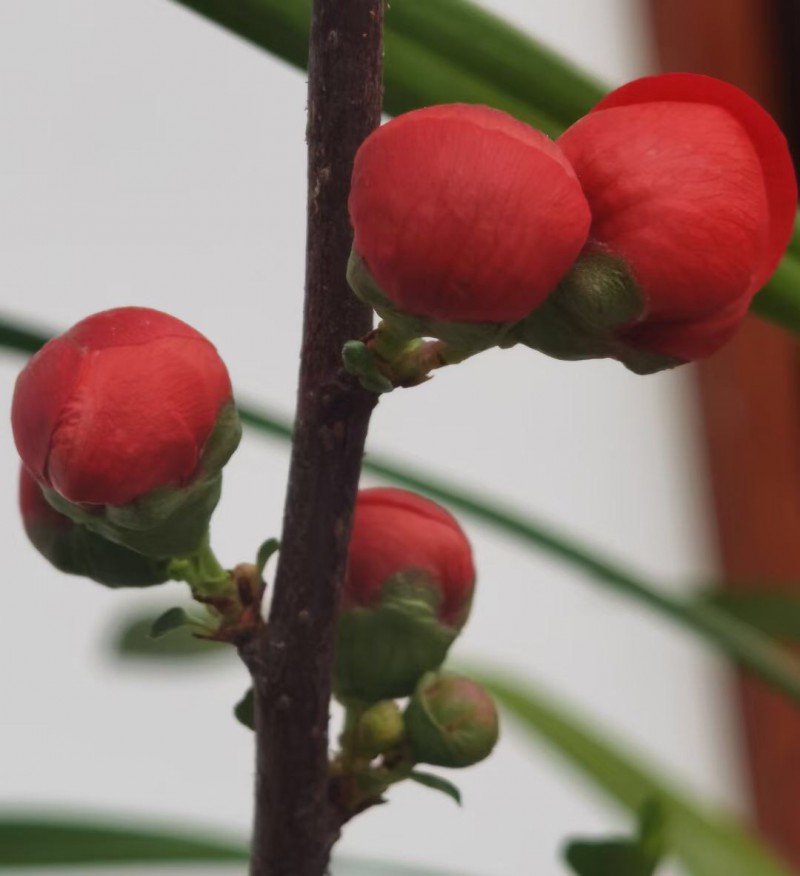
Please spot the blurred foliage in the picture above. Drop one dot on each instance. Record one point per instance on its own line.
(46, 841)
(639, 856)
(707, 843)
(133, 639)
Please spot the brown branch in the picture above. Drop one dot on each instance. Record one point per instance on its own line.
(296, 823)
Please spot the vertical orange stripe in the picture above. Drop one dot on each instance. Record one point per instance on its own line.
(750, 396)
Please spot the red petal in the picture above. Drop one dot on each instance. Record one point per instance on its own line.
(767, 139)
(464, 213)
(137, 420)
(394, 531)
(41, 391)
(676, 189)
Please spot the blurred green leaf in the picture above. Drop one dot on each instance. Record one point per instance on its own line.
(172, 619)
(608, 858)
(419, 70)
(47, 841)
(639, 856)
(133, 639)
(244, 710)
(39, 841)
(429, 780)
(773, 612)
(708, 843)
(517, 64)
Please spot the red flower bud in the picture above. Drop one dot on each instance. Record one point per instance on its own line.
(464, 214)
(76, 550)
(396, 532)
(407, 593)
(123, 412)
(690, 183)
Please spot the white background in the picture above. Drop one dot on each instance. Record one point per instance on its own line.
(146, 157)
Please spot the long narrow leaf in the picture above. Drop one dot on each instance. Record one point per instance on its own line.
(416, 74)
(55, 841)
(709, 844)
(736, 639)
(40, 841)
(775, 613)
(471, 37)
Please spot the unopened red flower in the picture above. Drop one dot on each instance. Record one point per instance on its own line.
(76, 550)
(407, 593)
(126, 420)
(691, 186)
(397, 533)
(462, 213)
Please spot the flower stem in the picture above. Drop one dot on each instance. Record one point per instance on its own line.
(291, 661)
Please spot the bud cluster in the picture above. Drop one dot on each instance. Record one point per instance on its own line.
(641, 234)
(408, 592)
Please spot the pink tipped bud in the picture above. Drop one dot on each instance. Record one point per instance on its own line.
(451, 721)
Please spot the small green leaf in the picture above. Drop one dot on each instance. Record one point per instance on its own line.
(707, 842)
(244, 710)
(267, 549)
(608, 858)
(172, 619)
(133, 640)
(359, 361)
(437, 783)
(623, 857)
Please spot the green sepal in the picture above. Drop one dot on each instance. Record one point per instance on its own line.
(245, 712)
(383, 651)
(437, 783)
(76, 550)
(582, 316)
(466, 337)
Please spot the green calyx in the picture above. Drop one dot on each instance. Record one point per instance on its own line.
(76, 550)
(582, 317)
(168, 521)
(450, 721)
(382, 651)
(463, 338)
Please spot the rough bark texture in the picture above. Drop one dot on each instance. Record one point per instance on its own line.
(296, 823)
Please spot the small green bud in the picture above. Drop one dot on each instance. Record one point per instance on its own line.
(450, 721)
(379, 729)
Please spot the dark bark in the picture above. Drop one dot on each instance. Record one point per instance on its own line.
(296, 823)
